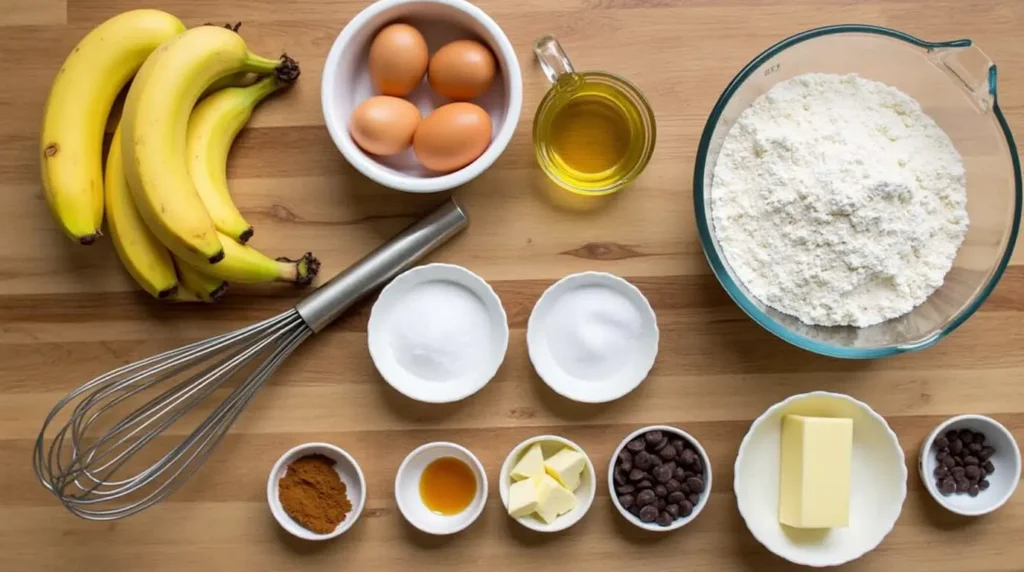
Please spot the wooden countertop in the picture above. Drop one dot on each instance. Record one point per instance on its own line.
(69, 313)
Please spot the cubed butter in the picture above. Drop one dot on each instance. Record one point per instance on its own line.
(566, 466)
(553, 500)
(814, 487)
(531, 465)
(522, 497)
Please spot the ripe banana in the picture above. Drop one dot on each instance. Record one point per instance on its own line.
(155, 120)
(246, 265)
(199, 285)
(82, 94)
(212, 128)
(146, 259)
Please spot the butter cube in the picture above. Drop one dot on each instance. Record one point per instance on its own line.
(522, 497)
(531, 465)
(814, 487)
(566, 466)
(553, 500)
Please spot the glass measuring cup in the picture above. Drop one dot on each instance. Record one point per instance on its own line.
(594, 132)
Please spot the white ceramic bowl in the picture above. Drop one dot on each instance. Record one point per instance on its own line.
(550, 444)
(878, 485)
(707, 476)
(546, 328)
(346, 84)
(347, 468)
(407, 489)
(1006, 460)
(408, 298)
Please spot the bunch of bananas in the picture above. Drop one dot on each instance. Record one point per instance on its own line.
(165, 189)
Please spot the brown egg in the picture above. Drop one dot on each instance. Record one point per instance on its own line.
(384, 125)
(398, 60)
(452, 137)
(461, 70)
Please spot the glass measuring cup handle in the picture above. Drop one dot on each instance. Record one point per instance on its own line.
(552, 58)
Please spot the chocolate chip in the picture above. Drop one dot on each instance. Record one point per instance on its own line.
(625, 489)
(962, 485)
(661, 504)
(970, 460)
(660, 491)
(676, 498)
(679, 474)
(942, 442)
(688, 457)
(983, 484)
(626, 501)
(979, 437)
(951, 434)
(689, 474)
(643, 460)
(625, 460)
(972, 472)
(982, 473)
(694, 499)
(975, 447)
(949, 462)
(698, 466)
(656, 461)
(958, 461)
(653, 437)
(661, 445)
(649, 513)
(645, 484)
(662, 474)
(941, 472)
(636, 445)
(668, 453)
(941, 455)
(684, 488)
(974, 490)
(966, 436)
(957, 472)
(986, 453)
(677, 444)
(635, 511)
(696, 484)
(672, 485)
(948, 486)
(955, 446)
(989, 467)
(645, 497)
(665, 518)
(636, 475)
(685, 508)
(673, 509)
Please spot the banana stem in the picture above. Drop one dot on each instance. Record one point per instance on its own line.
(301, 272)
(285, 68)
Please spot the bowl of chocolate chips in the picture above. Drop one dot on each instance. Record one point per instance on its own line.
(659, 478)
(970, 464)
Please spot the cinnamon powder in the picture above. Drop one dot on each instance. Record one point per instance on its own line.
(312, 493)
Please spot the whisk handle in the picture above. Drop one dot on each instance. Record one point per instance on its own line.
(387, 261)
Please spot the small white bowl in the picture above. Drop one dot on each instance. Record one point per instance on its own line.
(407, 489)
(414, 306)
(550, 444)
(347, 468)
(346, 84)
(704, 496)
(878, 484)
(1006, 459)
(550, 325)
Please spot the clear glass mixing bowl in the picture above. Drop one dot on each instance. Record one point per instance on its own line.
(956, 85)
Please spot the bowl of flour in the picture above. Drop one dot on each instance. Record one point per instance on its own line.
(857, 190)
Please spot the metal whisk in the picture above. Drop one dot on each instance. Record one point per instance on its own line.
(88, 465)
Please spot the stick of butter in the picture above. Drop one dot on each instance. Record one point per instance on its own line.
(531, 465)
(553, 499)
(566, 466)
(814, 489)
(522, 497)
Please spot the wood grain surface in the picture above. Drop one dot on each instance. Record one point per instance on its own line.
(69, 313)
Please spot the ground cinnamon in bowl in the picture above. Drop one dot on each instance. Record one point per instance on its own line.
(313, 494)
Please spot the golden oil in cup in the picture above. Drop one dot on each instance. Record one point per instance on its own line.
(594, 132)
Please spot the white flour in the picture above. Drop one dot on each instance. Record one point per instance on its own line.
(837, 200)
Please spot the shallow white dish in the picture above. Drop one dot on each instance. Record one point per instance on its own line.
(550, 444)
(878, 485)
(547, 330)
(1006, 460)
(347, 468)
(411, 372)
(346, 84)
(407, 489)
(707, 477)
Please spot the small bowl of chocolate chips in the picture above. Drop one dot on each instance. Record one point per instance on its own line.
(659, 478)
(970, 464)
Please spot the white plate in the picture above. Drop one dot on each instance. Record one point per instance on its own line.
(550, 444)
(878, 485)
(1006, 460)
(411, 297)
(581, 378)
(407, 489)
(347, 468)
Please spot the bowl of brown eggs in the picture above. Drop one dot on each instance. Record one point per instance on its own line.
(421, 95)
